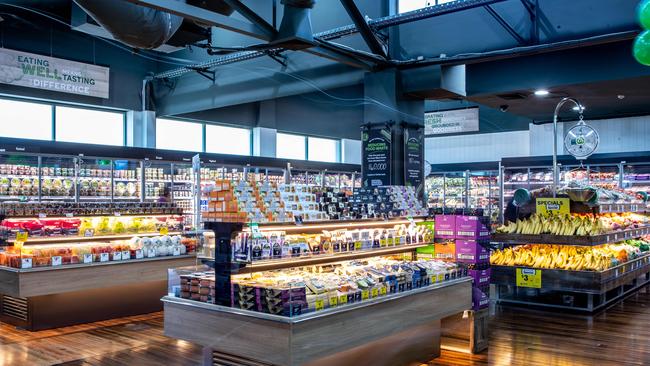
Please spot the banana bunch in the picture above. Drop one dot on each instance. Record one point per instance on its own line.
(581, 225)
(565, 257)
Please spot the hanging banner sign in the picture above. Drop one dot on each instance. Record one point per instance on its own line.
(376, 157)
(54, 74)
(413, 157)
(453, 121)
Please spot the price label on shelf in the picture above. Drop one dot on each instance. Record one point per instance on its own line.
(118, 214)
(375, 292)
(333, 301)
(56, 260)
(365, 295)
(126, 254)
(69, 215)
(164, 230)
(441, 277)
(176, 251)
(319, 305)
(528, 277)
(151, 253)
(433, 279)
(42, 215)
(117, 256)
(89, 233)
(22, 236)
(139, 254)
(358, 245)
(382, 290)
(343, 299)
(25, 263)
(88, 258)
(104, 257)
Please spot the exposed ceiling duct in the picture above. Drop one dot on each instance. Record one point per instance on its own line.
(133, 25)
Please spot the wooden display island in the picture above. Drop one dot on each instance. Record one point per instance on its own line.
(51, 297)
(396, 329)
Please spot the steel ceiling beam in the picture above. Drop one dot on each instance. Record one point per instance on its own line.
(253, 17)
(204, 16)
(364, 29)
(505, 25)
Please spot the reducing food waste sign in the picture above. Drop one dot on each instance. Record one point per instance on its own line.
(54, 74)
(376, 157)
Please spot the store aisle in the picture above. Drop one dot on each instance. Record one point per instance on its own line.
(619, 336)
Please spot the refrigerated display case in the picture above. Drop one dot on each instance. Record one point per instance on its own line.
(296, 304)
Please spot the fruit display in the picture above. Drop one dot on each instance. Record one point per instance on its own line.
(570, 257)
(300, 291)
(90, 252)
(574, 224)
(249, 246)
(90, 226)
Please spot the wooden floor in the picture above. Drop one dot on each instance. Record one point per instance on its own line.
(618, 336)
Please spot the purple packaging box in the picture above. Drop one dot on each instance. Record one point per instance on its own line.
(472, 227)
(471, 251)
(481, 277)
(480, 297)
(445, 227)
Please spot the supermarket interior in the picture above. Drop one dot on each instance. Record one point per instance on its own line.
(333, 182)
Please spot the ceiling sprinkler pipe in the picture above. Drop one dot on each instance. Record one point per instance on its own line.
(556, 178)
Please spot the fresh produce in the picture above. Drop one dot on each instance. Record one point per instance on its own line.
(574, 224)
(568, 257)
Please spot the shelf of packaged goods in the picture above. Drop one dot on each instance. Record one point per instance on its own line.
(34, 240)
(57, 198)
(361, 330)
(126, 198)
(116, 214)
(523, 183)
(20, 197)
(595, 282)
(270, 265)
(331, 224)
(157, 180)
(182, 181)
(77, 277)
(570, 239)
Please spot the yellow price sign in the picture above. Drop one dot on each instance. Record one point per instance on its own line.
(333, 301)
(343, 299)
(527, 277)
(164, 231)
(553, 205)
(441, 277)
(365, 295)
(375, 292)
(22, 236)
(433, 279)
(319, 305)
(382, 290)
(357, 245)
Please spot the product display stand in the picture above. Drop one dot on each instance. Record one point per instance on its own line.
(396, 328)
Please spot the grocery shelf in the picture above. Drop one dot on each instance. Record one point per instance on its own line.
(37, 216)
(71, 239)
(620, 207)
(269, 265)
(570, 239)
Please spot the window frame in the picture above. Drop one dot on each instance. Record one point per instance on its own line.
(306, 145)
(339, 152)
(91, 108)
(205, 138)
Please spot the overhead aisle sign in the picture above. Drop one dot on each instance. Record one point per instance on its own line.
(54, 74)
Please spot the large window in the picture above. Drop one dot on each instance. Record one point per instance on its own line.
(25, 120)
(227, 140)
(179, 135)
(290, 146)
(89, 126)
(320, 149)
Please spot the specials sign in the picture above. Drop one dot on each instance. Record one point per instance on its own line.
(553, 205)
(55, 74)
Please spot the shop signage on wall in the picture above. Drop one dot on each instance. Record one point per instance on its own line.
(452, 121)
(376, 160)
(55, 74)
(413, 157)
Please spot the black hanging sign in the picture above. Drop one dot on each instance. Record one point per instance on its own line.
(414, 157)
(376, 156)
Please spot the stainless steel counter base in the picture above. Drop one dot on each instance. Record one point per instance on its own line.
(397, 329)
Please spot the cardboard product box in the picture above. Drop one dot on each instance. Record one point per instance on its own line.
(472, 227)
(471, 251)
(480, 277)
(480, 297)
(445, 227)
(445, 251)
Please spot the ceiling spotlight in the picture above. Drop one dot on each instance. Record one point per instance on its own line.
(620, 96)
(541, 92)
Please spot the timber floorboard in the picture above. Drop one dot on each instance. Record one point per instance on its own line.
(618, 336)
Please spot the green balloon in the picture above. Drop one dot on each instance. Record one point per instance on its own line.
(643, 12)
(642, 48)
